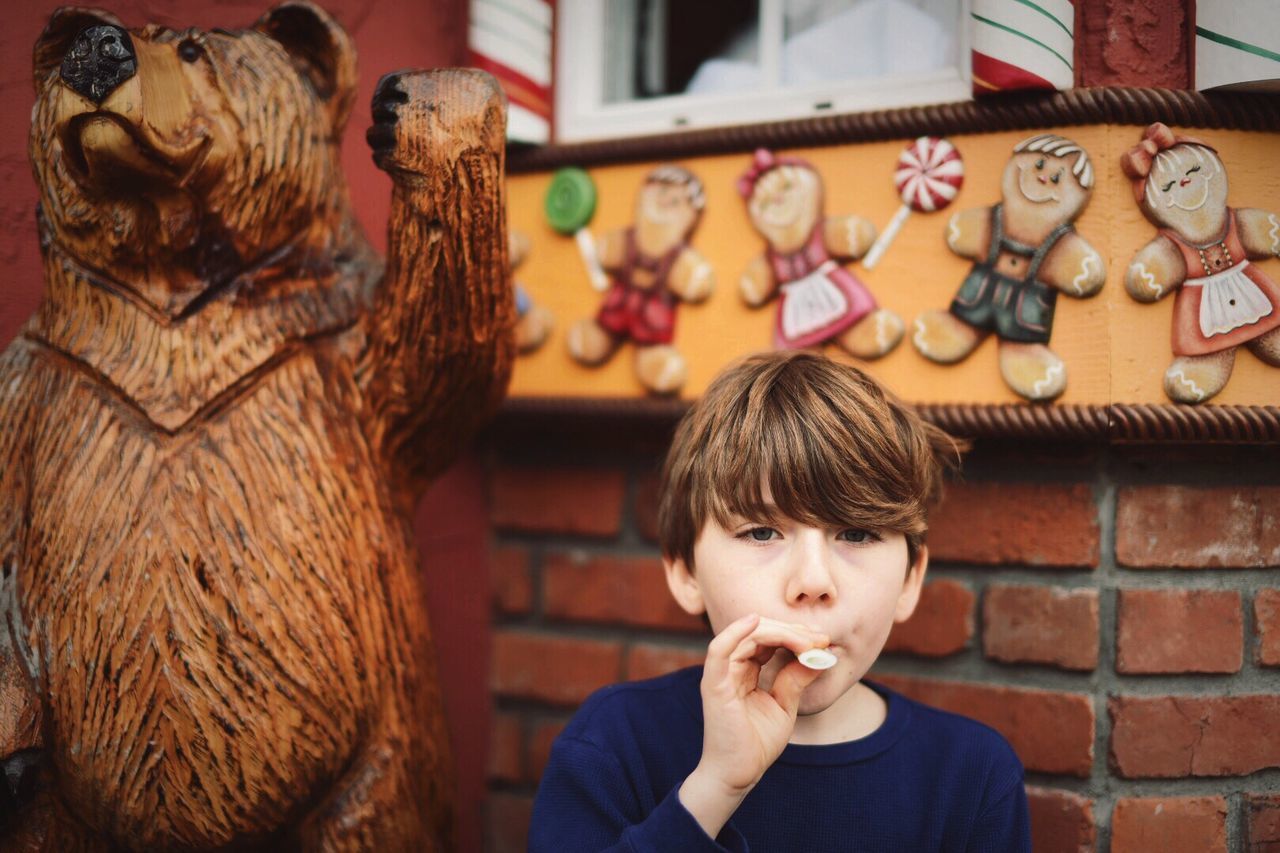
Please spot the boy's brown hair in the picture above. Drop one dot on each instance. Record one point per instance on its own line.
(835, 449)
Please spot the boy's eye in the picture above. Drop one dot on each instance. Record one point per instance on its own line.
(855, 535)
(1040, 164)
(761, 534)
(1057, 178)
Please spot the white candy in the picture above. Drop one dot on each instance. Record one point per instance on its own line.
(817, 659)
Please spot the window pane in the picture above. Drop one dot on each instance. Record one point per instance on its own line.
(851, 39)
(655, 48)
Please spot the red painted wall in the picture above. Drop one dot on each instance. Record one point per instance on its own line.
(1134, 43)
(451, 523)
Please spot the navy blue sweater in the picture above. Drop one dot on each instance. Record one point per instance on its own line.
(926, 780)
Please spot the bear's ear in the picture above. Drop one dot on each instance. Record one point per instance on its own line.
(320, 49)
(64, 25)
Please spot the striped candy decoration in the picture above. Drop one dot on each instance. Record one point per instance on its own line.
(1022, 44)
(1237, 44)
(511, 39)
(928, 176)
(930, 173)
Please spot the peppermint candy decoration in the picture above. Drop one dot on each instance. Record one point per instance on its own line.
(928, 176)
(930, 173)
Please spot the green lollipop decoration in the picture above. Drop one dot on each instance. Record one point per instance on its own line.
(570, 204)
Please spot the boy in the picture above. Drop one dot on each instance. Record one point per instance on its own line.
(792, 516)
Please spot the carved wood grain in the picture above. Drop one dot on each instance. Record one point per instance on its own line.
(210, 441)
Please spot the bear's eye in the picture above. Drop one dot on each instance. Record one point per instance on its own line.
(1040, 164)
(1193, 169)
(1165, 188)
(188, 50)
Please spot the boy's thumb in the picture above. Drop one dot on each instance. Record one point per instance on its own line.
(790, 683)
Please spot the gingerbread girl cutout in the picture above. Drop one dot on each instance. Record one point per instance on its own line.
(820, 300)
(1202, 252)
(652, 268)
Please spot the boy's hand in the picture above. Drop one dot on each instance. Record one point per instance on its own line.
(745, 727)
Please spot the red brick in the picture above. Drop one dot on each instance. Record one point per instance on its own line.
(1198, 527)
(630, 590)
(507, 816)
(542, 737)
(506, 748)
(1061, 822)
(941, 625)
(581, 501)
(1040, 624)
(646, 508)
(1179, 630)
(1266, 615)
(1174, 736)
(646, 660)
(1036, 524)
(559, 670)
(1051, 732)
(1169, 825)
(512, 582)
(1262, 823)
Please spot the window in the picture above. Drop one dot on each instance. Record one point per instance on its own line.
(629, 67)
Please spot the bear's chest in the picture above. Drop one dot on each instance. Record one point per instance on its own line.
(175, 369)
(206, 608)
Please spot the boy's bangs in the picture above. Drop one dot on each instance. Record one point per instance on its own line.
(819, 468)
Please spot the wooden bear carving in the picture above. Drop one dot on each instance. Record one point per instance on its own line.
(214, 428)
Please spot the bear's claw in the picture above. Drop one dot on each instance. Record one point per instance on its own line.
(381, 136)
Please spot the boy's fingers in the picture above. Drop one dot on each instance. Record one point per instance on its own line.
(790, 683)
(725, 643)
(795, 637)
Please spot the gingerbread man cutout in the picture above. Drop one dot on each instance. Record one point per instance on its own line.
(652, 268)
(1025, 251)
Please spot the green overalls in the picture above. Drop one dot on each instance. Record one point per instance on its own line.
(1018, 310)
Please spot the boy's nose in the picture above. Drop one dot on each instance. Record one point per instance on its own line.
(811, 580)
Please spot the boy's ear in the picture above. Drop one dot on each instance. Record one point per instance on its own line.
(911, 586)
(684, 586)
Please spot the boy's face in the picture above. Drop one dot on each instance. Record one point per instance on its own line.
(849, 584)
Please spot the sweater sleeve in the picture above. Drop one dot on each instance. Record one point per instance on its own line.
(1005, 823)
(585, 802)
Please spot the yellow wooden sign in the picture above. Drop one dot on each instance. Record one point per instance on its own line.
(1115, 349)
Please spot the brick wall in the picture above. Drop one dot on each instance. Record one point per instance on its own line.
(1114, 612)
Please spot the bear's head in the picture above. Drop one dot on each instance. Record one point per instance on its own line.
(1046, 183)
(181, 158)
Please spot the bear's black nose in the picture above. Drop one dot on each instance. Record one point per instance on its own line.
(100, 59)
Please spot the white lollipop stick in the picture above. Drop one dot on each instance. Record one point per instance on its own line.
(886, 237)
(591, 258)
(928, 176)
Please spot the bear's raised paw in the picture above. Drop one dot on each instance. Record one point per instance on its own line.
(421, 118)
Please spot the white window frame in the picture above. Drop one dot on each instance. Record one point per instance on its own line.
(581, 113)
